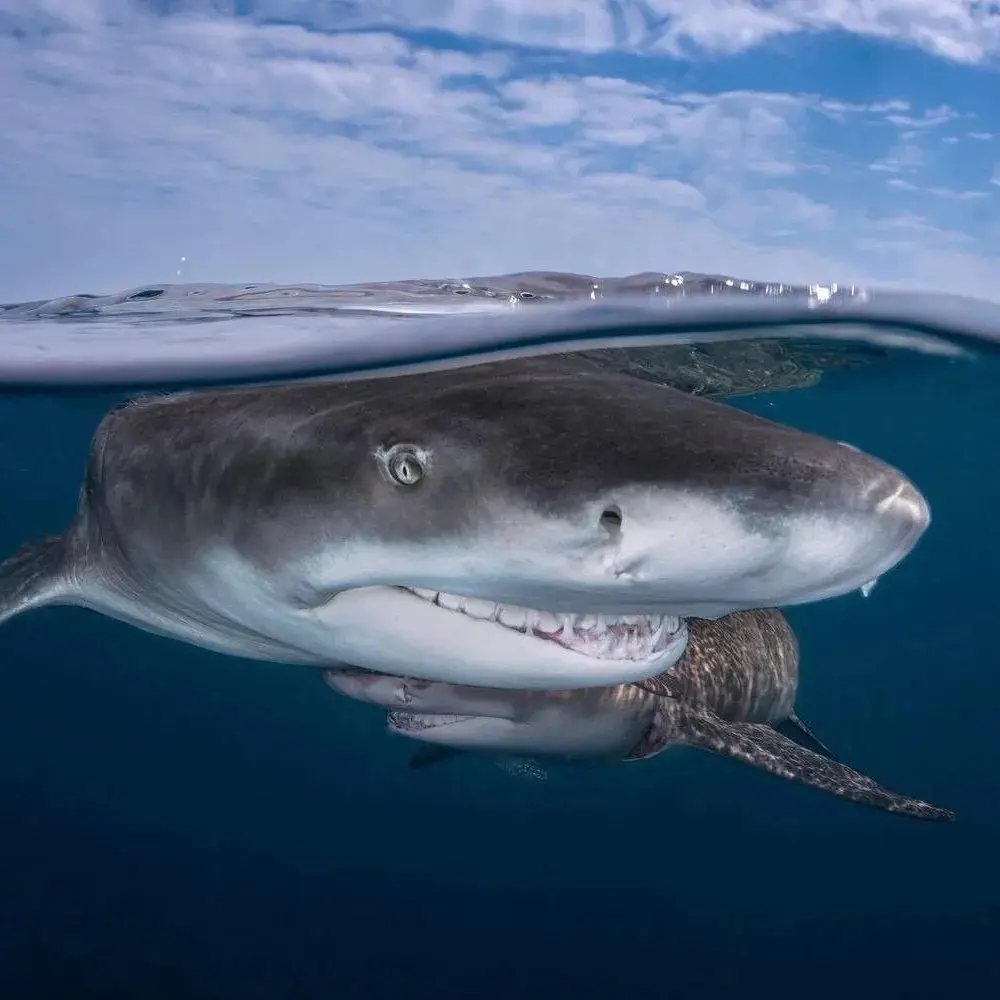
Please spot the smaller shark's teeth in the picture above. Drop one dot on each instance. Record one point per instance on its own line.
(412, 722)
(614, 637)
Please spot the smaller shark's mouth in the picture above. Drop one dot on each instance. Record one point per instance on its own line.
(603, 637)
(412, 722)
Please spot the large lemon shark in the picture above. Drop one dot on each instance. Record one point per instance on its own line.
(540, 523)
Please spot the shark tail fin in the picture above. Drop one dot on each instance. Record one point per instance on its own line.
(34, 576)
(761, 746)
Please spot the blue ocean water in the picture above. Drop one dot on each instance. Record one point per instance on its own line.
(181, 824)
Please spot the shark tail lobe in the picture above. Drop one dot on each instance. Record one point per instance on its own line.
(34, 576)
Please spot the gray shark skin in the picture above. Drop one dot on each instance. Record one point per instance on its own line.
(735, 683)
(542, 523)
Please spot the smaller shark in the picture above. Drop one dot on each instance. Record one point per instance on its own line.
(732, 692)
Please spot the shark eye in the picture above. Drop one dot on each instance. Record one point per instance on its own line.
(404, 465)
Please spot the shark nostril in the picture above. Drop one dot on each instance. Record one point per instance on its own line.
(611, 520)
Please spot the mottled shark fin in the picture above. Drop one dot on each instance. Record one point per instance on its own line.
(794, 728)
(35, 575)
(761, 746)
(665, 685)
(430, 755)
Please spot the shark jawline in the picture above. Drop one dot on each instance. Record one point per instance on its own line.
(603, 637)
(409, 722)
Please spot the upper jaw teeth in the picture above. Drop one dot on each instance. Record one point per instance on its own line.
(618, 637)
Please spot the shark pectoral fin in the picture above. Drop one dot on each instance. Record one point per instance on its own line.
(795, 729)
(431, 755)
(763, 747)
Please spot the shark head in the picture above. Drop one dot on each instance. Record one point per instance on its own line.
(584, 725)
(437, 698)
(568, 519)
(587, 722)
(413, 694)
(544, 523)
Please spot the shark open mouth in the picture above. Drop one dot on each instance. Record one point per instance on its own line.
(603, 637)
(422, 722)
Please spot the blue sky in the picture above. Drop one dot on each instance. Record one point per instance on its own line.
(297, 140)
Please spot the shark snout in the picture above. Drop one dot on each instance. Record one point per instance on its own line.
(856, 536)
(383, 690)
(900, 515)
(707, 552)
(904, 510)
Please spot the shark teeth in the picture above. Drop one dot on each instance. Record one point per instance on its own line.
(604, 637)
(410, 722)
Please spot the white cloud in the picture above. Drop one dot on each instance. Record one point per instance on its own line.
(931, 118)
(955, 194)
(965, 31)
(262, 151)
(903, 157)
(840, 110)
